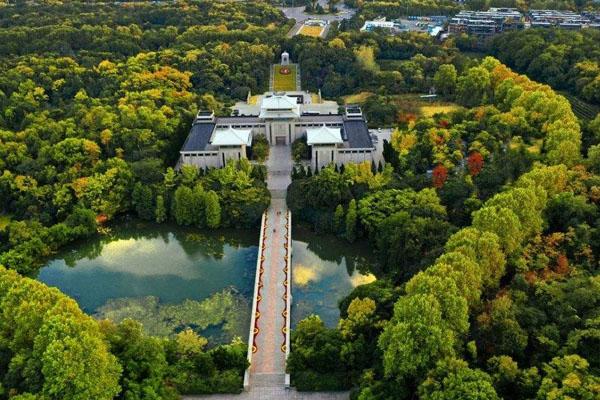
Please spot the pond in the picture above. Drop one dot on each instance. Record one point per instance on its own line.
(165, 276)
(325, 269)
(169, 277)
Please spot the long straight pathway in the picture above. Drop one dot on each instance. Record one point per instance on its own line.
(267, 369)
(268, 361)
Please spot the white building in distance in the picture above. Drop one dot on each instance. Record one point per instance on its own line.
(283, 117)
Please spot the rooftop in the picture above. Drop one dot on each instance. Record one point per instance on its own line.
(323, 135)
(279, 106)
(198, 137)
(231, 137)
(357, 134)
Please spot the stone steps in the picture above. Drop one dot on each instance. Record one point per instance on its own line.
(267, 380)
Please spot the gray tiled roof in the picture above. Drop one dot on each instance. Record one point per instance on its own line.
(333, 118)
(234, 120)
(198, 137)
(357, 134)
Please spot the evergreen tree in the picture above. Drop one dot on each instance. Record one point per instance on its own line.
(142, 201)
(189, 174)
(169, 179)
(338, 218)
(160, 213)
(183, 207)
(309, 172)
(351, 222)
(199, 206)
(212, 210)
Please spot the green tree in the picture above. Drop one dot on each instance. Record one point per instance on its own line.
(351, 218)
(568, 377)
(474, 88)
(213, 210)
(142, 201)
(183, 203)
(503, 222)
(160, 213)
(189, 174)
(415, 338)
(198, 206)
(452, 379)
(143, 359)
(50, 346)
(405, 244)
(338, 218)
(444, 80)
(359, 331)
(314, 361)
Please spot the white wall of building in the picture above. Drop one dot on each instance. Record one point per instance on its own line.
(323, 155)
(203, 159)
(346, 156)
(231, 153)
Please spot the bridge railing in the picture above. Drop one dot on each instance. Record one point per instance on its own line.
(257, 279)
(288, 305)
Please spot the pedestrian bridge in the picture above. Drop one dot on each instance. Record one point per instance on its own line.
(269, 337)
(269, 333)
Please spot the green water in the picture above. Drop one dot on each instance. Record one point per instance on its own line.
(169, 277)
(324, 270)
(165, 276)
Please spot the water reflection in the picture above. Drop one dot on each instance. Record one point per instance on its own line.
(324, 270)
(170, 277)
(137, 261)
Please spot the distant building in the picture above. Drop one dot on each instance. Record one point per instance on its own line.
(486, 23)
(315, 22)
(379, 23)
(563, 19)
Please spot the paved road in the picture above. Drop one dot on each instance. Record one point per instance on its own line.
(299, 14)
(279, 169)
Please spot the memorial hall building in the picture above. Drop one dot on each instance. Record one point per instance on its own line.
(335, 134)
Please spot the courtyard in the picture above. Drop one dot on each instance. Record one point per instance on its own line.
(284, 78)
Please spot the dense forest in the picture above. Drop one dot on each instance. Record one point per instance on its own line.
(484, 219)
(95, 103)
(485, 226)
(566, 60)
(486, 233)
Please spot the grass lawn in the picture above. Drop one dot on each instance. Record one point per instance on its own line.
(414, 105)
(314, 31)
(253, 99)
(429, 110)
(284, 83)
(357, 98)
(4, 221)
(409, 104)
